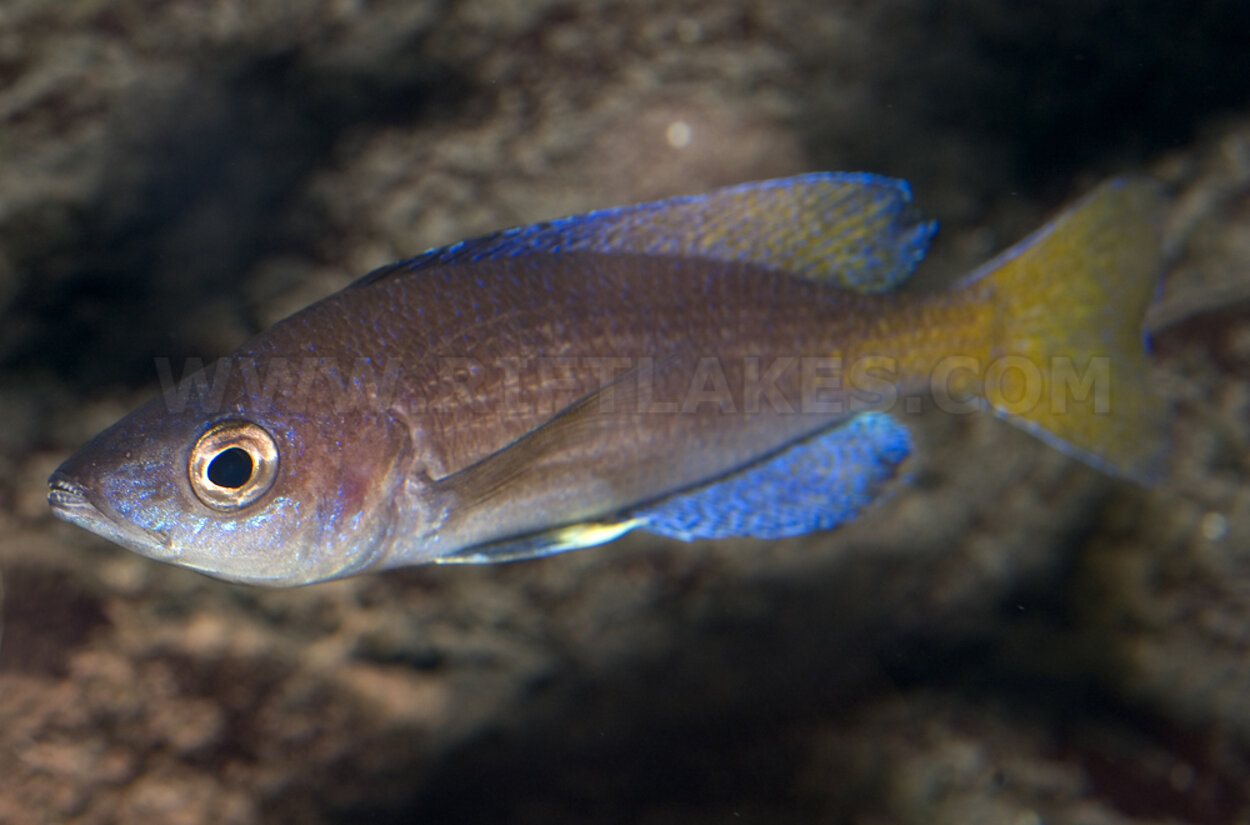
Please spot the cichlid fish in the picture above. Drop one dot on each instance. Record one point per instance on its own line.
(738, 363)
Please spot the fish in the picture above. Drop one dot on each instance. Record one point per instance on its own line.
(741, 363)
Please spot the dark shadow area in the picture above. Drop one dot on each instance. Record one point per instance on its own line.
(672, 736)
(724, 724)
(1055, 86)
(195, 193)
(703, 729)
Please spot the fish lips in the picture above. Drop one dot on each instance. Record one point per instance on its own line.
(74, 503)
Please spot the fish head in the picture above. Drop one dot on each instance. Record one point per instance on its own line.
(255, 495)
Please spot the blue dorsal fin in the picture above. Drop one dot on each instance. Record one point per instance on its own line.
(852, 230)
(816, 484)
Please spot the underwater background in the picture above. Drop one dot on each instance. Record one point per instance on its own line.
(1014, 638)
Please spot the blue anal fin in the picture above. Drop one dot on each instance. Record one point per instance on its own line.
(815, 484)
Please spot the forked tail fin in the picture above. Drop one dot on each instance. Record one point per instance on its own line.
(1070, 354)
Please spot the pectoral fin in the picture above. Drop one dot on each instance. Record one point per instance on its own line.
(516, 465)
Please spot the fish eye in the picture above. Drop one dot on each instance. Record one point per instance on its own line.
(233, 464)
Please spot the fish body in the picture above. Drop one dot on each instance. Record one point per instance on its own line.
(738, 363)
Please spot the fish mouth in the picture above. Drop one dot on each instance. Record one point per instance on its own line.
(69, 502)
(64, 494)
(73, 503)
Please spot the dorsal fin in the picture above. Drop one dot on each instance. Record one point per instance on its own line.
(852, 230)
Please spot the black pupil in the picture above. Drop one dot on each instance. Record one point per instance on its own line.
(230, 468)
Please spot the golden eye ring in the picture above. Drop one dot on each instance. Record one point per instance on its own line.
(233, 464)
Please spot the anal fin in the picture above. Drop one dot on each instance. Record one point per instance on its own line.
(816, 484)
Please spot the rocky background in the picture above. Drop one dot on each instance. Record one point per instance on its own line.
(1013, 639)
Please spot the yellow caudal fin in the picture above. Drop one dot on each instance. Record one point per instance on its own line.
(1070, 355)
